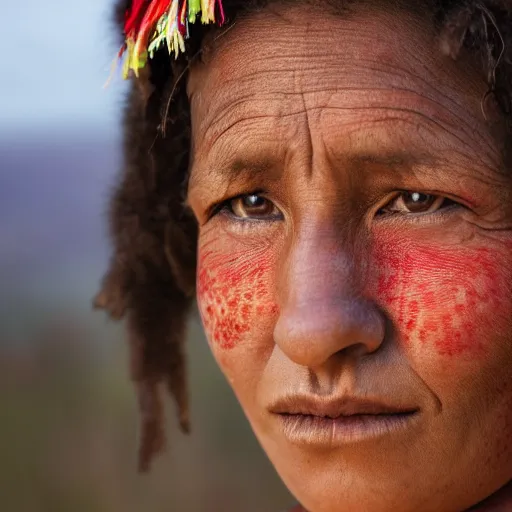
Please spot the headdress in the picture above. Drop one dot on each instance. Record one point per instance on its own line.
(151, 24)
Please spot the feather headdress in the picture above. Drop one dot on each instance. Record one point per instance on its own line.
(151, 24)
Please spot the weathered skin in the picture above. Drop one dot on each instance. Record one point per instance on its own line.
(324, 289)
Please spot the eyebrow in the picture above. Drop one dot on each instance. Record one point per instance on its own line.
(251, 168)
(397, 159)
(238, 169)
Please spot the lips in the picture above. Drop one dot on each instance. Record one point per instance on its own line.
(318, 420)
(334, 408)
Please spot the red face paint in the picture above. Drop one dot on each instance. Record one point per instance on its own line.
(447, 297)
(233, 295)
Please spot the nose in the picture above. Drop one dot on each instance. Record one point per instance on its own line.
(322, 312)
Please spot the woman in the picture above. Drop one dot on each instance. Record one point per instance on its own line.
(342, 171)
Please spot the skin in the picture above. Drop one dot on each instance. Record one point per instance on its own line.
(329, 284)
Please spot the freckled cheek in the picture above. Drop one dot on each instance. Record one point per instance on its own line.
(236, 299)
(456, 301)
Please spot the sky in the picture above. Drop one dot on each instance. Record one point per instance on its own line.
(56, 57)
(59, 134)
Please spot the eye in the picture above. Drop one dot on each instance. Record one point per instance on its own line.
(411, 202)
(251, 206)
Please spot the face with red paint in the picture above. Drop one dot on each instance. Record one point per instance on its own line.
(355, 257)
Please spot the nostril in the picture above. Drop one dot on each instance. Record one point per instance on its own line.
(357, 350)
(310, 334)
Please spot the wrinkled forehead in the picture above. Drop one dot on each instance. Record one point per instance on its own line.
(268, 59)
(283, 40)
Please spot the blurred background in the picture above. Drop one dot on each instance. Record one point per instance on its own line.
(68, 413)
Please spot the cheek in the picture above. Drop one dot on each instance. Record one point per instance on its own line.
(234, 293)
(454, 300)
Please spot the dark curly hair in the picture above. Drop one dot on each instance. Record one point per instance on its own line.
(151, 280)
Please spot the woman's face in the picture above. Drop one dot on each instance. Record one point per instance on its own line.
(355, 257)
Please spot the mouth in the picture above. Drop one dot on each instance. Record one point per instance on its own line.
(332, 422)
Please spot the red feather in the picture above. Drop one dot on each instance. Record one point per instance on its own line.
(142, 18)
(222, 17)
(134, 16)
(156, 9)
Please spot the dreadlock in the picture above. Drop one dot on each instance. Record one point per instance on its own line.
(151, 279)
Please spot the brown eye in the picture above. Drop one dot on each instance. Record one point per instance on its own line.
(253, 206)
(415, 202)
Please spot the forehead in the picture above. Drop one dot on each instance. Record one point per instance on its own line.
(343, 72)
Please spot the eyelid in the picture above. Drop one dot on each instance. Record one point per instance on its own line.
(437, 200)
(420, 217)
(223, 206)
(401, 193)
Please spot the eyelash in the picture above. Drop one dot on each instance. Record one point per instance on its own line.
(446, 206)
(444, 203)
(224, 208)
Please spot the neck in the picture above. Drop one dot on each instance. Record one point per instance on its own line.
(500, 501)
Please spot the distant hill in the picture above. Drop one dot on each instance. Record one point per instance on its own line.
(54, 189)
